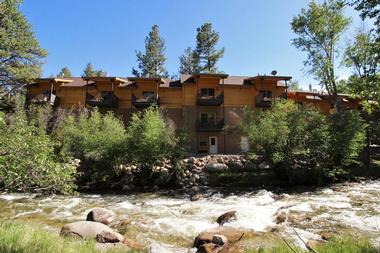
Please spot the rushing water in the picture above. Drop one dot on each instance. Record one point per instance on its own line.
(169, 224)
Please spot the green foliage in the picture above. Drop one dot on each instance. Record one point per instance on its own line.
(97, 140)
(336, 245)
(205, 55)
(347, 133)
(187, 62)
(20, 52)
(362, 56)
(27, 157)
(294, 85)
(150, 139)
(65, 72)
(369, 9)
(89, 71)
(17, 237)
(319, 29)
(291, 137)
(152, 62)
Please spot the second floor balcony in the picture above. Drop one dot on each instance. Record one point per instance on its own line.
(44, 98)
(204, 100)
(210, 126)
(106, 100)
(263, 100)
(144, 101)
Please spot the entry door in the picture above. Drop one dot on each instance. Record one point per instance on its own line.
(213, 145)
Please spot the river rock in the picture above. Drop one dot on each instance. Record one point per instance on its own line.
(235, 166)
(196, 197)
(214, 167)
(101, 215)
(91, 230)
(191, 160)
(212, 248)
(226, 217)
(231, 234)
(264, 166)
(219, 240)
(109, 237)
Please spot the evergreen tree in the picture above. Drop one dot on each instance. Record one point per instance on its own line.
(187, 62)
(206, 55)
(20, 52)
(152, 62)
(89, 71)
(65, 72)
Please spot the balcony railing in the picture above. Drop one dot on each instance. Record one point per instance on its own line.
(108, 100)
(40, 99)
(210, 126)
(264, 101)
(144, 101)
(210, 100)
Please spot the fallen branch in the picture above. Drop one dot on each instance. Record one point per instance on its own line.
(290, 247)
(307, 246)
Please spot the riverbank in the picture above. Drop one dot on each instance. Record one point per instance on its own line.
(170, 222)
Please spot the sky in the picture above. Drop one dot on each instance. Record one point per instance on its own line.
(256, 34)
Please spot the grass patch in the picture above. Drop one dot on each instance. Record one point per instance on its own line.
(336, 245)
(17, 237)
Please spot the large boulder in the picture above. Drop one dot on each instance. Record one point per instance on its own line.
(226, 217)
(231, 234)
(236, 166)
(101, 215)
(91, 230)
(215, 167)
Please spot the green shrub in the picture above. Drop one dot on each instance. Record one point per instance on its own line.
(347, 132)
(287, 133)
(16, 237)
(97, 140)
(150, 139)
(27, 158)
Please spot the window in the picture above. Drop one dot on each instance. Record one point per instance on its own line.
(148, 94)
(207, 92)
(207, 118)
(265, 93)
(203, 141)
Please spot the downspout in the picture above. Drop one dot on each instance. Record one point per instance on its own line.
(86, 97)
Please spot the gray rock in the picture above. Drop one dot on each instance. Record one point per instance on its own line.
(226, 217)
(219, 240)
(264, 166)
(191, 160)
(101, 215)
(90, 230)
(214, 167)
(108, 237)
(236, 166)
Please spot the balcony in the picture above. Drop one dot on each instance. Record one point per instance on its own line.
(106, 100)
(144, 101)
(210, 126)
(210, 100)
(41, 99)
(266, 101)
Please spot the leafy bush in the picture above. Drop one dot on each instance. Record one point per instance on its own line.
(347, 131)
(287, 133)
(27, 158)
(150, 139)
(293, 138)
(97, 140)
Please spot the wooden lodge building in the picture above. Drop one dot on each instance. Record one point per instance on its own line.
(209, 106)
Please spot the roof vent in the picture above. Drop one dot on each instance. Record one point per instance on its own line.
(274, 72)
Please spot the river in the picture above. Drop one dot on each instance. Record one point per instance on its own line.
(170, 223)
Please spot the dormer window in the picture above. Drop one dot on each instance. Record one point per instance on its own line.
(207, 92)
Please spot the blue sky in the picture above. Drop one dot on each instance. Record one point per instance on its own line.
(255, 33)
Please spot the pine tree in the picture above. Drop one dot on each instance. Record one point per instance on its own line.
(187, 62)
(20, 53)
(89, 71)
(206, 55)
(65, 72)
(152, 62)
